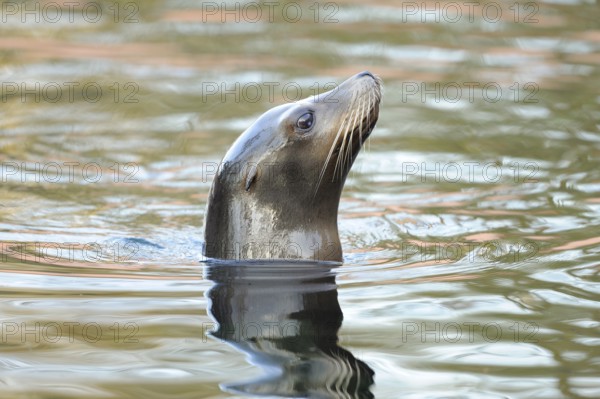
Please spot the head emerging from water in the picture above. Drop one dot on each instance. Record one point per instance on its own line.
(278, 188)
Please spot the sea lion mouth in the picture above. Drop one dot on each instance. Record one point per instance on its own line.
(360, 118)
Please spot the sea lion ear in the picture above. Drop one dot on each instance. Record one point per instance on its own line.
(251, 178)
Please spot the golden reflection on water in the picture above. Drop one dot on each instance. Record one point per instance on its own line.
(421, 249)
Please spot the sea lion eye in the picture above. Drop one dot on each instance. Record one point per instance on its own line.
(305, 122)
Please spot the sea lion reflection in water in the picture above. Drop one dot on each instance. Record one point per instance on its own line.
(286, 317)
(277, 190)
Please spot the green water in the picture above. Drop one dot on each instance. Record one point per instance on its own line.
(469, 223)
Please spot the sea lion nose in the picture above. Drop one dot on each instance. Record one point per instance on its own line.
(365, 73)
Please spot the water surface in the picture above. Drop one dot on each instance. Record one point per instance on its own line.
(469, 223)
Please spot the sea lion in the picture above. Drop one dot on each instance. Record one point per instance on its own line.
(277, 190)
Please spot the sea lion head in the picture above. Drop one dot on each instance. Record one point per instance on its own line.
(277, 190)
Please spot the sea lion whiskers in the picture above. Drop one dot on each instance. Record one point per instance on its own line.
(358, 122)
(363, 107)
(355, 125)
(347, 144)
(331, 151)
(342, 152)
(374, 98)
(364, 114)
(359, 118)
(342, 144)
(348, 150)
(371, 103)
